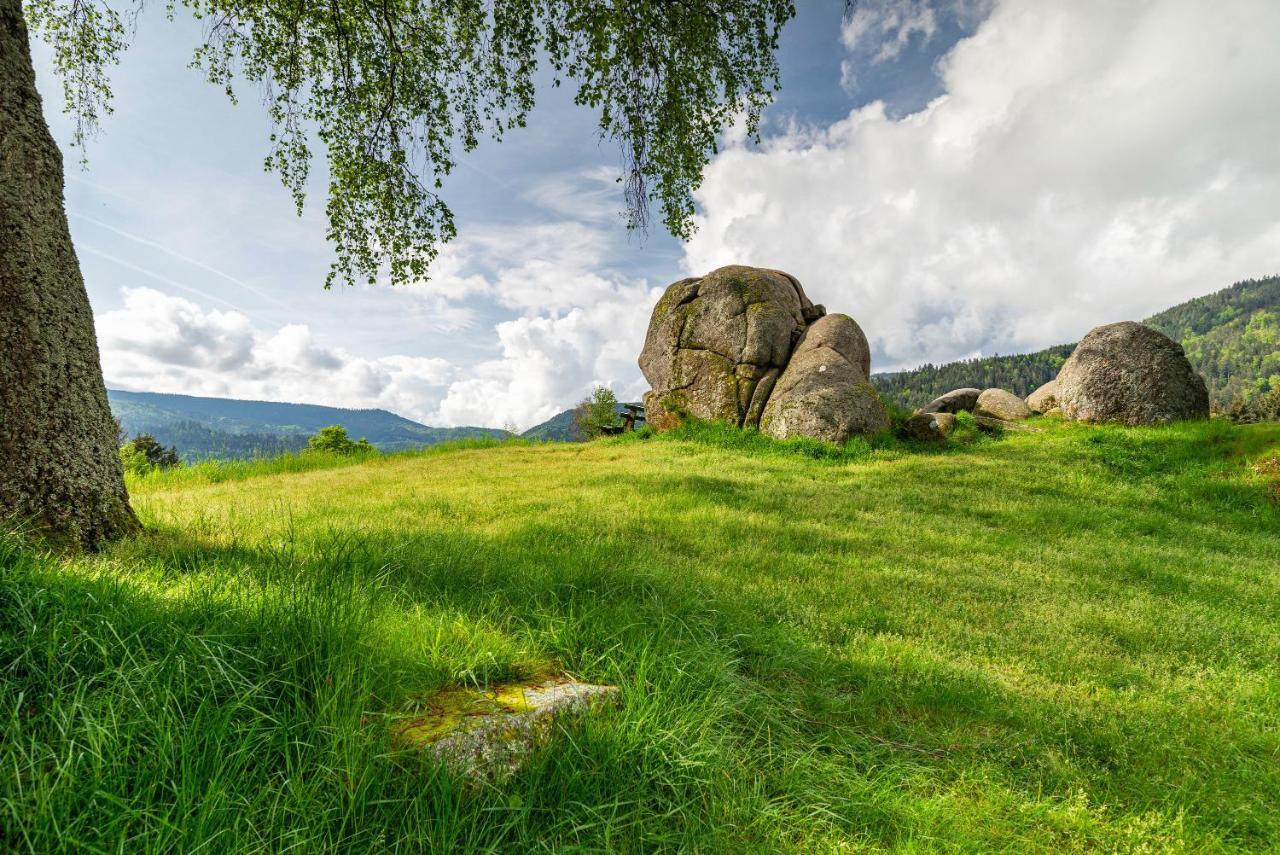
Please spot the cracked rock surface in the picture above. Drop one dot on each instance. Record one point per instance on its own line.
(745, 345)
(825, 392)
(717, 344)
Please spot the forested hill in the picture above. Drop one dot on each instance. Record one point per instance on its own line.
(1232, 337)
(231, 428)
(1020, 374)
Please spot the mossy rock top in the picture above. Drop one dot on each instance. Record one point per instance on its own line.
(487, 733)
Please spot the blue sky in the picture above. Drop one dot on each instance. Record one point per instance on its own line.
(963, 177)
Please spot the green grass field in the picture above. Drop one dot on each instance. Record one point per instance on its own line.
(1066, 640)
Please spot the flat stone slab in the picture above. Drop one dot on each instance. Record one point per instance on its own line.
(485, 734)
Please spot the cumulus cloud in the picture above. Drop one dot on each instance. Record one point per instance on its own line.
(161, 343)
(574, 327)
(889, 25)
(550, 361)
(1089, 161)
(579, 325)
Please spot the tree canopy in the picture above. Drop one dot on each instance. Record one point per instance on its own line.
(597, 413)
(394, 90)
(335, 440)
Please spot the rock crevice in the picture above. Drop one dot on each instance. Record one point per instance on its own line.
(745, 345)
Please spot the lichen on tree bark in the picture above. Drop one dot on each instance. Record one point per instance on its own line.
(59, 467)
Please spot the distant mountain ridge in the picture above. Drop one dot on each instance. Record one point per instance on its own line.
(231, 428)
(1232, 337)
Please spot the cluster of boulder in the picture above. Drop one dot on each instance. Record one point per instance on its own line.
(1123, 372)
(744, 345)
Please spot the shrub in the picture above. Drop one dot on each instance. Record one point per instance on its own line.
(144, 453)
(334, 440)
(597, 414)
(1260, 408)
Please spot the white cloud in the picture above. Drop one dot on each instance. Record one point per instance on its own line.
(550, 361)
(889, 25)
(552, 267)
(1091, 161)
(577, 327)
(161, 343)
(585, 195)
(574, 328)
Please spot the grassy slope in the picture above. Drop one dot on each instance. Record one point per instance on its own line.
(1065, 640)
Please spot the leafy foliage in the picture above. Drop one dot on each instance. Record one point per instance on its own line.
(144, 454)
(1259, 408)
(394, 89)
(335, 440)
(597, 414)
(87, 37)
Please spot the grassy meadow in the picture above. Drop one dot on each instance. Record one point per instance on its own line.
(1062, 640)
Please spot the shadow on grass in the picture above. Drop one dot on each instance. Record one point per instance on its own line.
(738, 682)
(231, 693)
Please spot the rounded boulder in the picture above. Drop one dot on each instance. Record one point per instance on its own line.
(717, 344)
(955, 401)
(1131, 374)
(1001, 404)
(825, 392)
(1045, 398)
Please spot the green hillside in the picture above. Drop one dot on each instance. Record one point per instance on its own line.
(1232, 337)
(229, 428)
(1020, 374)
(558, 428)
(1059, 641)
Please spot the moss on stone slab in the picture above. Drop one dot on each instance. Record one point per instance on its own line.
(486, 733)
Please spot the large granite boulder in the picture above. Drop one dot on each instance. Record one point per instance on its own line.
(825, 392)
(717, 344)
(1001, 404)
(955, 401)
(1045, 398)
(1132, 374)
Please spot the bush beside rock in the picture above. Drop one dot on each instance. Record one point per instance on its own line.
(929, 426)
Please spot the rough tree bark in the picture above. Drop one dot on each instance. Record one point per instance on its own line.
(59, 467)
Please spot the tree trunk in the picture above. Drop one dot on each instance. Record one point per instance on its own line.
(59, 466)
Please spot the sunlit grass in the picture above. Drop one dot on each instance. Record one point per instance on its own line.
(215, 471)
(1061, 640)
